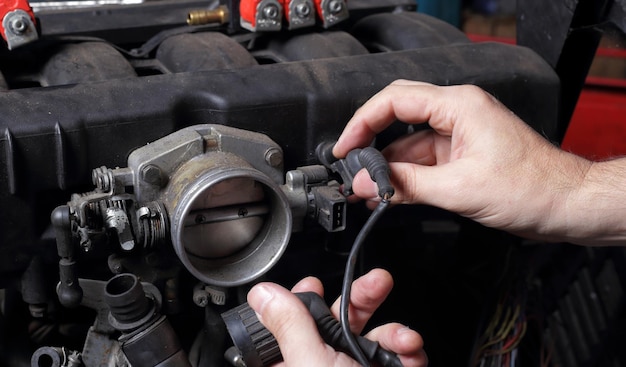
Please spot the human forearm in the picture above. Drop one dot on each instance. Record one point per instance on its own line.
(595, 214)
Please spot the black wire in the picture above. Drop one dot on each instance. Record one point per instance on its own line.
(347, 282)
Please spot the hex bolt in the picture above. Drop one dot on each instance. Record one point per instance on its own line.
(303, 10)
(151, 174)
(335, 6)
(270, 11)
(273, 157)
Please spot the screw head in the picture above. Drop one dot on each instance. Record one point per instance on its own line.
(303, 10)
(270, 11)
(335, 6)
(151, 174)
(274, 157)
(18, 24)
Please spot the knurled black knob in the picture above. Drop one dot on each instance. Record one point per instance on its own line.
(257, 345)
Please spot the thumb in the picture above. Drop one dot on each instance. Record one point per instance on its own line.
(414, 184)
(288, 319)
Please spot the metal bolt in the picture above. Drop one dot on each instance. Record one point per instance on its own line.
(235, 358)
(270, 11)
(274, 157)
(101, 179)
(335, 6)
(151, 174)
(19, 25)
(303, 10)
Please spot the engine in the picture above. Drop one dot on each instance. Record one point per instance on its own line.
(159, 158)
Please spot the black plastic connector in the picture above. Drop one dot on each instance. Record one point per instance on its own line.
(259, 348)
(369, 158)
(330, 208)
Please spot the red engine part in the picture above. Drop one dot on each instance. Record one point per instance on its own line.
(18, 22)
(247, 11)
(261, 15)
(331, 12)
(267, 15)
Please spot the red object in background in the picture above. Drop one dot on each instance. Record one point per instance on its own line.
(597, 129)
(248, 9)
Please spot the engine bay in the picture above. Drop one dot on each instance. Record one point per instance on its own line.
(159, 158)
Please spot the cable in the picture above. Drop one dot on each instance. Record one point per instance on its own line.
(347, 281)
(378, 168)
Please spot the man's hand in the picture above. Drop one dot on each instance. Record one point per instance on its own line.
(289, 321)
(479, 160)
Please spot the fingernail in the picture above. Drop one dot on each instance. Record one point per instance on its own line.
(335, 146)
(258, 298)
(404, 330)
(262, 295)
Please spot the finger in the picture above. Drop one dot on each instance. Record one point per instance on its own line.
(309, 284)
(367, 294)
(403, 341)
(422, 147)
(288, 319)
(446, 186)
(409, 82)
(407, 102)
(413, 103)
